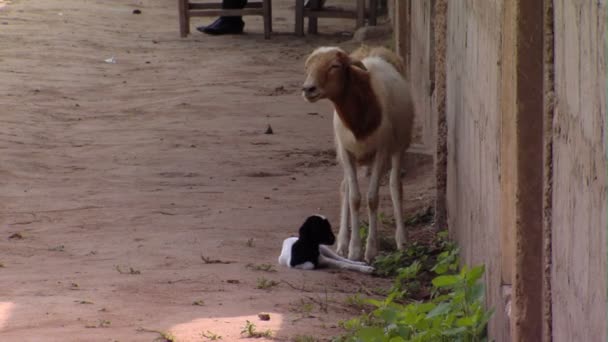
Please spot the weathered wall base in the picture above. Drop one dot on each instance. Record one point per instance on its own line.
(525, 113)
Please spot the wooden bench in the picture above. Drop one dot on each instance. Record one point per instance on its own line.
(188, 9)
(317, 10)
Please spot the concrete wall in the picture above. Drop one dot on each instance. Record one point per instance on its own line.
(473, 118)
(420, 69)
(414, 41)
(525, 107)
(578, 281)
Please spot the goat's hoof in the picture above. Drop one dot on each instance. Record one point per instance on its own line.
(401, 241)
(367, 269)
(370, 256)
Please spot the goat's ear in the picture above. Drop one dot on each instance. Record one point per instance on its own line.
(343, 58)
(308, 61)
(348, 61)
(359, 64)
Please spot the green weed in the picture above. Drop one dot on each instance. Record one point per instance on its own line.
(262, 267)
(452, 305)
(250, 330)
(211, 336)
(265, 284)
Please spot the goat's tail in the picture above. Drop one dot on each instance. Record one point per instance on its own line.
(391, 57)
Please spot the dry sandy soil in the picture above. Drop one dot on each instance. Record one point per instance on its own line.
(118, 178)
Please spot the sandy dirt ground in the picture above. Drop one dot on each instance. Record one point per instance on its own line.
(119, 179)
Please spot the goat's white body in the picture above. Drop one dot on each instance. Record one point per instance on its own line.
(393, 94)
(328, 258)
(387, 145)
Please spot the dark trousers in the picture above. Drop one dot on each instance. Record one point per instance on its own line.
(233, 4)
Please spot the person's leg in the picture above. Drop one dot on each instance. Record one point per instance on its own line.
(226, 25)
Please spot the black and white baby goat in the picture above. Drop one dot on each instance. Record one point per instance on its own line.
(310, 251)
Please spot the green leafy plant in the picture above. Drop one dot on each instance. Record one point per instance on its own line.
(250, 330)
(355, 301)
(421, 217)
(450, 305)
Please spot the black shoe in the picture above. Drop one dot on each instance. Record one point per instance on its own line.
(314, 4)
(224, 26)
(213, 24)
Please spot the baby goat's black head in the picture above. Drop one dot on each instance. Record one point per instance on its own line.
(317, 229)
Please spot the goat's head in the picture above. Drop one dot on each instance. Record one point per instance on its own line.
(327, 69)
(317, 229)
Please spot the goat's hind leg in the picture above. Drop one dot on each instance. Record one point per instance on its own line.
(328, 253)
(397, 199)
(325, 261)
(373, 201)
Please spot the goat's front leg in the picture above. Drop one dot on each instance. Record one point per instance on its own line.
(343, 232)
(371, 247)
(354, 199)
(397, 198)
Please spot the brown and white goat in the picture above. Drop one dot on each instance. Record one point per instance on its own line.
(373, 121)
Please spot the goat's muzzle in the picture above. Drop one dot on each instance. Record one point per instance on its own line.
(311, 93)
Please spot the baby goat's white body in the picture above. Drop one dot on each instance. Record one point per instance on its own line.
(328, 258)
(285, 257)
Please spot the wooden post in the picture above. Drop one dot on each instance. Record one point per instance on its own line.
(402, 30)
(373, 12)
(266, 8)
(184, 20)
(299, 18)
(439, 105)
(522, 165)
(360, 13)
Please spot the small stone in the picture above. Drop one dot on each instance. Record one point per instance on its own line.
(136, 11)
(16, 236)
(264, 316)
(269, 130)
